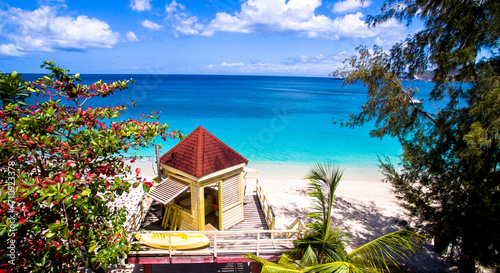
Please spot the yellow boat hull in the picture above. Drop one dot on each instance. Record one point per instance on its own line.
(179, 241)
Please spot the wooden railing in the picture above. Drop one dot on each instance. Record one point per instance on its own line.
(257, 242)
(269, 212)
(266, 208)
(299, 225)
(135, 221)
(297, 228)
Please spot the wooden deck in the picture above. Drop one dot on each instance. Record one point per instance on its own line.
(250, 236)
(253, 215)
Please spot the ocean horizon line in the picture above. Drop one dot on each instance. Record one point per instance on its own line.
(187, 75)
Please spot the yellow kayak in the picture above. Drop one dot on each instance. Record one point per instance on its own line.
(179, 240)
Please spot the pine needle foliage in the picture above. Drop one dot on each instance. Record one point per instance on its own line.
(449, 178)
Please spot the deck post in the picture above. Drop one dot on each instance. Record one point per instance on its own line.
(258, 243)
(255, 267)
(148, 268)
(215, 246)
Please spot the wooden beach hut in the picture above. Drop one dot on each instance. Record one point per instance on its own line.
(203, 188)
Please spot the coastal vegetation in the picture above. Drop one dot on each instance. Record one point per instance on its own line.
(61, 164)
(448, 180)
(324, 248)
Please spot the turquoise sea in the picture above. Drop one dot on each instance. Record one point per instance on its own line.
(282, 125)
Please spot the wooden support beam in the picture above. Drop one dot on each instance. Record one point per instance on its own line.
(148, 268)
(227, 260)
(255, 267)
(193, 260)
(200, 259)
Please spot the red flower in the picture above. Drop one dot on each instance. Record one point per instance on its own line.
(149, 184)
(24, 136)
(137, 171)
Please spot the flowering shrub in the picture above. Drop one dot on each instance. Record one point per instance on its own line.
(60, 165)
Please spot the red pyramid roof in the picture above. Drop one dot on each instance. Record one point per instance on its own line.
(200, 154)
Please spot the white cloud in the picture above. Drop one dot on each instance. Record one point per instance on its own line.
(43, 30)
(140, 5)
(352, 25)
(10, 50)
(295, 16)
(232, 64)
(187, 25)
(272, 15)
(173, 7)
(131, 37)
(151, 25)
(319, 65)
(350, 5)
(181, 21)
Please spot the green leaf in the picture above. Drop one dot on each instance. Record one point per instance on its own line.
(54, 227)
(145, 187)
(37, 229)
(65, 233)
(50, 234)
(50, 111)
(86, 192)
(93, 246)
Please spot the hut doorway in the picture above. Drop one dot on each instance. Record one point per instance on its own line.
(211, 196)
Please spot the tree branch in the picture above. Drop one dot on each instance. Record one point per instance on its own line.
(410, 99)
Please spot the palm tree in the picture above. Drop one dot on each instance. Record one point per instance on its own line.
(324, 249)
(327, 242)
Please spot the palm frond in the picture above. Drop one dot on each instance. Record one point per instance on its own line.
(319, 205)
(287, 262)
(324, 180)
(309, 258)
(335, 267)
(285, 265)
(391, 247)
(327, 248)
(259, 260)
(279, 269)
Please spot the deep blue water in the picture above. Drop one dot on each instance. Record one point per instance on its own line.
(273, 121)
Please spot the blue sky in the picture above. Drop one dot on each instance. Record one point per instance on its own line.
(231, 37)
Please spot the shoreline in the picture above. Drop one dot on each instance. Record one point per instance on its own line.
(279, 171)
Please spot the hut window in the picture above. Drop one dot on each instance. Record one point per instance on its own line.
(231, 191)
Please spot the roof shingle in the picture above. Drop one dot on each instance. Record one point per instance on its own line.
(201, 153)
